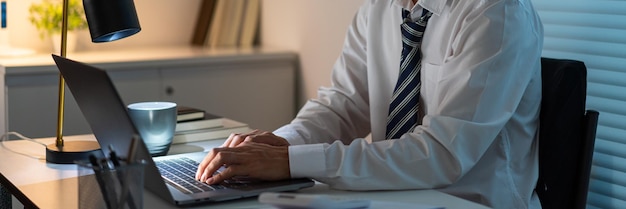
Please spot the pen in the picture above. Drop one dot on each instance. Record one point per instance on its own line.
(113, 156)
(94, 163)
(99, 171)
(122, 179)
(133, 148)
(105, 164)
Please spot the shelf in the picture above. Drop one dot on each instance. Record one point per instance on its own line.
(145, 57)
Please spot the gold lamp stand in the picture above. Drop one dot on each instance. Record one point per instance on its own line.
(108, 20)
(69, 152)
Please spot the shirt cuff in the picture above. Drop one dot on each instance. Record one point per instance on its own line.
(291, 136)
(307, 160)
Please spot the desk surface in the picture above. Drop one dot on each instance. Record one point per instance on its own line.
(33, 181)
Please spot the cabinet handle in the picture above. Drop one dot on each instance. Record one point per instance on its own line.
(169, 90)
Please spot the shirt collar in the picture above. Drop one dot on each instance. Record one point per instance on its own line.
(434, 6)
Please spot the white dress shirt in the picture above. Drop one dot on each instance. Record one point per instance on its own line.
(481, 91)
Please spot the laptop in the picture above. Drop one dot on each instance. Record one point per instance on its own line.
(107, 116)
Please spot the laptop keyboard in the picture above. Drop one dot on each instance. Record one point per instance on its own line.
(180, 173)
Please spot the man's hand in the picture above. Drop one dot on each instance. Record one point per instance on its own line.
(250, 159)
(257, 136)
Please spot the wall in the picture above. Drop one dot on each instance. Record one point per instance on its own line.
(162, 21)
(3, 113)
(315, 29)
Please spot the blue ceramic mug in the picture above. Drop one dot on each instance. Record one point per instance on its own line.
(156, 123)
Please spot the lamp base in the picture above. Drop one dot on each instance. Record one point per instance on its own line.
(72, 151)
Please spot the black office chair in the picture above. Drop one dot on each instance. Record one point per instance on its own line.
(5, 198)
(566, 135)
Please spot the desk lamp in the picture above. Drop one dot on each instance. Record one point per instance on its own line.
(108, 20)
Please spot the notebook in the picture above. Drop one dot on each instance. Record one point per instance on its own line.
(107, 116)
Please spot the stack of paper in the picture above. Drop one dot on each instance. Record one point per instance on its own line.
(220, 132)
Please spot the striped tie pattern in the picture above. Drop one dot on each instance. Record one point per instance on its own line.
(405, 100)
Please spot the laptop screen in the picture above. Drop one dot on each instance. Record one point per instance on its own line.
(100, 104)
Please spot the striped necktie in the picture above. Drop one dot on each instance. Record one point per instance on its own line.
(404, 104)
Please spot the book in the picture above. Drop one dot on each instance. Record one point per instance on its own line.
(228, 127)
(226, 25)
(209, 121)
(185, 113)
(220, 14)
(231, 30)
(250, 23)
(203, 22)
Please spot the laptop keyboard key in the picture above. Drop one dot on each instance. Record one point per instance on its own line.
(180, 174)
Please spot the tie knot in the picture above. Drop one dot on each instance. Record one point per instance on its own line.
(406, 17)
(412, 31)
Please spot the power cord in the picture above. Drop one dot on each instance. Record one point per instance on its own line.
(5, 137)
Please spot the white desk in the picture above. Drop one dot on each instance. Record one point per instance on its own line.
(38, 184)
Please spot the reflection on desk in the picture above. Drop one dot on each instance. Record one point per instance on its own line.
(38, 184)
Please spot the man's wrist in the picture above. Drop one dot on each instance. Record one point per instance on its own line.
(307, 160)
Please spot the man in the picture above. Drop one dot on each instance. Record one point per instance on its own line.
(476, 121)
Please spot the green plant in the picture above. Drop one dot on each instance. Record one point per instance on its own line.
(47, 16)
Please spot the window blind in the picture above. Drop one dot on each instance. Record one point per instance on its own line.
(594, 31)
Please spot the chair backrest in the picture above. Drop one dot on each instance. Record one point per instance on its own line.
(566, 135)
(5, 198)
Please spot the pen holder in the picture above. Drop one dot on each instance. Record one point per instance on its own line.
(110, 187)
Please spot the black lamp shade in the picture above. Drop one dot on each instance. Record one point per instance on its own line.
(110, 20)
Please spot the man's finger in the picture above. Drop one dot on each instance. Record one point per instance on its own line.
(223, 156)
(228, 140)
(202, 166)
(265, 137)
(227, 173)
(237, 139)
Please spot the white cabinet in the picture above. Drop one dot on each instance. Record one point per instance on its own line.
(255, 86)
(259, 93)
(32, 101)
